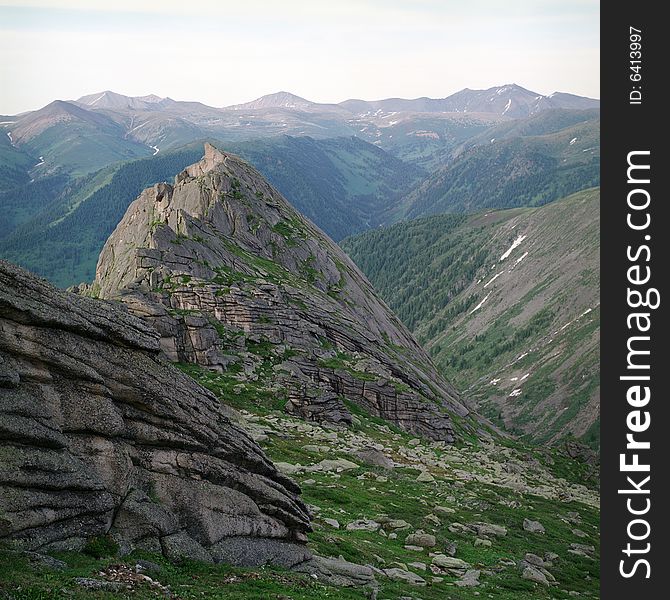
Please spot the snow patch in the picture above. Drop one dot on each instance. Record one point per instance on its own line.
(98, 98)
(507, 106)
(515, 393)
(518, 260)
(515, 243)
(476, 308)
(490, 281)
(156, 149)
(41, 161)
(514, 379)
(524, 377)
(572, 141)
(494, 381)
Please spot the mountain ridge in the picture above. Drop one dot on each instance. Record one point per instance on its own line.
(220, 254)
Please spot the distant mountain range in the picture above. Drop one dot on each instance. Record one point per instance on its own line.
(83, 135)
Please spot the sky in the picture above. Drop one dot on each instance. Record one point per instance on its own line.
(223, 52)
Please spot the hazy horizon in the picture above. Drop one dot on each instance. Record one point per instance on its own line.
(65, 49)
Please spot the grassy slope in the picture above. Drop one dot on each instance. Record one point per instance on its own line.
(433, 273)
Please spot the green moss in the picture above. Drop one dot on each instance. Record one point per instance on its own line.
(101, 547)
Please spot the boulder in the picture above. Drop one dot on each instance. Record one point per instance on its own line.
(397, 574)
(423, 540)
(374, 457)
(101, 436)
(533, 526)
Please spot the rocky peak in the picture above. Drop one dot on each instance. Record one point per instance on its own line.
(236, 280)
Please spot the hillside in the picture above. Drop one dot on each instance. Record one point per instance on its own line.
(344, 185)
(516, 169)
(507, 304)
(58, 226)
(68, 138)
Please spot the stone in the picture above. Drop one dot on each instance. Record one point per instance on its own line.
(534, 574)
(257, 552)
(45, 561)
(374, 457)
(396, 524)
(363, 525)
(450, 548)
(533, 559)
(100, 584)
(397, 574)
(533, 526)
(423, 540)
(414, 442)
(334, 523)
(490, 529)
(470, 579)
(444, 510)
(101, 435)
(425, 477)
(339, 572)
(180, 546)
(483, 542)
(450, 563)
(147, 566)
(582, 549)
(418, 565)
(288, 468)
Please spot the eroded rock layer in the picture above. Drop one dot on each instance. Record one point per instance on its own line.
(99, 435)
(235, 280)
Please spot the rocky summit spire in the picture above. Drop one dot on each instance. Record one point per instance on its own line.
(236, 280)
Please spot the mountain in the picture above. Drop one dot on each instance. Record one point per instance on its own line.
(112, 100)
(277, 100)
(121, 447)
(237, 281)
(68, 138)
(506, 303)
(506, 101)
(513, 170)
(107, 126)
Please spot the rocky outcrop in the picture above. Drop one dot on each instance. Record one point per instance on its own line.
(100, 436)
(235, 280)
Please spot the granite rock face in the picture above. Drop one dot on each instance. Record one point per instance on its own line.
(233, 278)
(100, 435)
